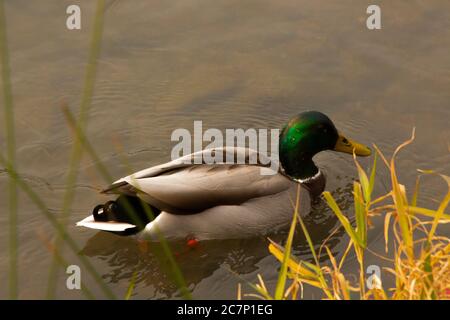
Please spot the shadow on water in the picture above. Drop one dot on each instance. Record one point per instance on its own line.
(126, 255)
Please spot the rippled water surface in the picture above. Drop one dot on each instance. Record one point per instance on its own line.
(231, 64)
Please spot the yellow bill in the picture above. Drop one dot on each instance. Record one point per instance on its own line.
(346, 145)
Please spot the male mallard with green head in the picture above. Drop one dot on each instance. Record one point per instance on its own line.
(219, 201)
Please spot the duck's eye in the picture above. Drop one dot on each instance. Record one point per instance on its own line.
(345, 141)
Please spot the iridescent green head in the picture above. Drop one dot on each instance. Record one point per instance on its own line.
(307, 134)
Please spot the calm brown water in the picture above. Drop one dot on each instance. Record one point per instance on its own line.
(231, 64)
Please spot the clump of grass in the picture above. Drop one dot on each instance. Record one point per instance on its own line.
(421, 258)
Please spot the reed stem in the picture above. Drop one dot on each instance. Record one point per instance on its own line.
(11, 154)
(77, 150)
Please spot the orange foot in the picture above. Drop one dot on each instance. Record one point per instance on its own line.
(192, 243)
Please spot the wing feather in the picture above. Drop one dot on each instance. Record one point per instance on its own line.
(181, 187)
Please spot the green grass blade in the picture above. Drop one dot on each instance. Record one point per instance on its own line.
(282, 275)
(11, 152)
(372, 174)
(360, 213)
(306, 269)
(363, 180)
(440, 210)
(310, 243)
(317, 268)
(428, 212)
(76, 154)
(87, 145)
(131, 286)
(343, 219)
(401, 203)
(403, 218)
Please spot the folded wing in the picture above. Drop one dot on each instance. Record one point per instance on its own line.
(183, 187)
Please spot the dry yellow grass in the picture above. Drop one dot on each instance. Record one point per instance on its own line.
(421, 258)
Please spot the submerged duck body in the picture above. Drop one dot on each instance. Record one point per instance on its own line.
(193, 199)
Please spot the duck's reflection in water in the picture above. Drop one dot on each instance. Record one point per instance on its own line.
(126, 255)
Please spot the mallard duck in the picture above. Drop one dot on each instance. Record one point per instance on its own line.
(218, 201)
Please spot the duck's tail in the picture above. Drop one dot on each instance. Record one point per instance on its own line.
(126, 215)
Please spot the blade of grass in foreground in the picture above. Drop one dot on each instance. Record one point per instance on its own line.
(282, 275)
(372, 174)
(87, 145)
(131, 286)
(401, 204)
(57, 226)
(11, 151)
(179, 279)
(76, 155)
(318, 269)
(312, 274)
(428, 213)
(360, 213)
(440, 211)
(343, 219)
